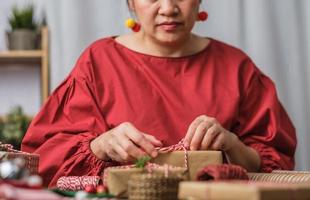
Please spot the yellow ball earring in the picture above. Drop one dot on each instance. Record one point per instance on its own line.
(133, 25)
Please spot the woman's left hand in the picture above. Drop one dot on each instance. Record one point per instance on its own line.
(206, 133)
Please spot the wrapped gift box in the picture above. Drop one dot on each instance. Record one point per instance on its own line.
(31, 160)
(243, 190)
(197, 160)
(117, 178)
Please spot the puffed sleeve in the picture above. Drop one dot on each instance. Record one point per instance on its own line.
(262, 122)
(62, 131)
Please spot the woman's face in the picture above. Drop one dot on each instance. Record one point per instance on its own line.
(166, 21)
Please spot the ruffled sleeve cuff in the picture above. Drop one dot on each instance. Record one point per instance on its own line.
(96, 165)
(270, 159)
(83, 161)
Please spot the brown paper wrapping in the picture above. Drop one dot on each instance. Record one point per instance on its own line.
(197, 160)
(31, 160)
(241, 190)
(117, 179)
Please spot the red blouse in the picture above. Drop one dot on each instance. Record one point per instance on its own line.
(111, 84)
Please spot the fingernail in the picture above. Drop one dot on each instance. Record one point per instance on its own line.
(154, 154)
(193, 148)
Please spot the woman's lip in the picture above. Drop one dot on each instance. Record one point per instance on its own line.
(170, 23)
(170, 26)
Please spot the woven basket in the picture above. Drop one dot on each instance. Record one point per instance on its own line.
(153, 187)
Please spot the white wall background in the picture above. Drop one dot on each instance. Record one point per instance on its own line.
(276, 34)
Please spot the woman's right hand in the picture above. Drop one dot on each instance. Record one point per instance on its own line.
(124, 144)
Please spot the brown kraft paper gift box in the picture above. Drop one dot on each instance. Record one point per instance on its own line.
(243, 190)
(197, 160)
(117, 179)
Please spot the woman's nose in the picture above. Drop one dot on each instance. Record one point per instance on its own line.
(168, 7)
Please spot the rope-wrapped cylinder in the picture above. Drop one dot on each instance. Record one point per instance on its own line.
(153, 187)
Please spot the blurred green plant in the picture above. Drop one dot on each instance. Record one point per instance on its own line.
(22, 18)
(14, 126)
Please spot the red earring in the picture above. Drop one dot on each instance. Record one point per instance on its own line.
(131, 23)
(202, 16)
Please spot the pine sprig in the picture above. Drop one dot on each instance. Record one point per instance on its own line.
(141, 162)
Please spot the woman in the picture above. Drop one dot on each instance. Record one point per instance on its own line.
(130, 94)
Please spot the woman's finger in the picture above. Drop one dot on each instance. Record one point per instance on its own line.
(191, 131)
(139, 139)
(129, 147)
(209, 136)
(125, 156)
(153, 140)
(199, 134)
(218, 142)
(114, 156)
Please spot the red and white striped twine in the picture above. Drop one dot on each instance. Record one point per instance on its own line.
(76, 183)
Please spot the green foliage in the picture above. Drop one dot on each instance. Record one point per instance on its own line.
(141, 162)
(13, 127)
(22, 18)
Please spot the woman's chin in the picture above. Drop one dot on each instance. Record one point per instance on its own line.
(170, 39)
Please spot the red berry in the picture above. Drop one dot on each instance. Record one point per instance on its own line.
(90, 189)
(101, 189)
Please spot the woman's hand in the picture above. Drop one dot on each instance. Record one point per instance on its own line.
(207, 133)
(124, 144)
